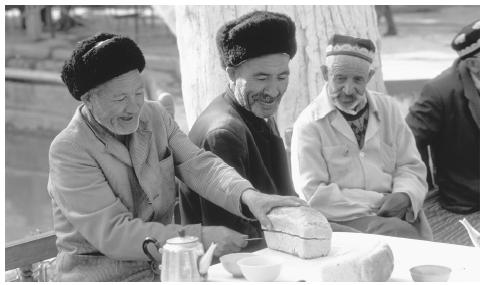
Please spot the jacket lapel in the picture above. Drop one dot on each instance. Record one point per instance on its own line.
(340, 125)
(145, 161)
(139, 146)
(373, 118)
(470, 92)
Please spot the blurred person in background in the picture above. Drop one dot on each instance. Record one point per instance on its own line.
(446, 118)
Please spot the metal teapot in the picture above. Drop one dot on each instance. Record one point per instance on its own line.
(183, 258)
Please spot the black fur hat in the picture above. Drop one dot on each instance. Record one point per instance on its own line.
(255, 34)
(98, 59)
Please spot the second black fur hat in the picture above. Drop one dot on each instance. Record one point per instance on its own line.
(255, 34)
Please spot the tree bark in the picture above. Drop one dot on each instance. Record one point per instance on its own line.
(203, 78)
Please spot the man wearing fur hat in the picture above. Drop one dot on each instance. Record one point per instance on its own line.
(112, 171)
(353, 156)
(238, 126)
(446, 118)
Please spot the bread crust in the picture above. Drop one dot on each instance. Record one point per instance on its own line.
(374, 264)
(300, 231)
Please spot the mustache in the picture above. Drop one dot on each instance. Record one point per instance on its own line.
(262, 97)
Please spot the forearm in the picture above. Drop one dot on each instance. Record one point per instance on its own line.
(344, 204)
(215, 181)
(410, 175)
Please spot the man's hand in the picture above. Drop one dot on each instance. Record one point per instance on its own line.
(228, 240)
(260, 204)
(395, 205)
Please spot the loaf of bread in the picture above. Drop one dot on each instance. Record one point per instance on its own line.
(300, 231)
(371, 264)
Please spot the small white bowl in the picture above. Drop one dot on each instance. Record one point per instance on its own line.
(229, 262)
(430, 273)
(260, 268)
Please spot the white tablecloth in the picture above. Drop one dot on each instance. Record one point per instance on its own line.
(463, 260)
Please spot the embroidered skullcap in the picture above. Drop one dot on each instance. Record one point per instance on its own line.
(351, 46)
(466, 42)
(255, 34)
(98, 59)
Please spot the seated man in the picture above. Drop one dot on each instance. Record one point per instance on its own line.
(353, 156)
(446, 117)
(238, 125)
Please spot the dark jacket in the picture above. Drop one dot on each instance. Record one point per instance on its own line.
(446, 117)
(246, 142)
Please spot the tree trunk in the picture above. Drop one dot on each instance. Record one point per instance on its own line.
(203, 78)
(33, 21)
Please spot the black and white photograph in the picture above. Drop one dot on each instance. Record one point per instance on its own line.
(242, 142)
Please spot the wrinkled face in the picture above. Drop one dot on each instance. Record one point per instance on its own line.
(259, 83)
(116, 104)
(347, 77)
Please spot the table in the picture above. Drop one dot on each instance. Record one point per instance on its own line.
(463, 260)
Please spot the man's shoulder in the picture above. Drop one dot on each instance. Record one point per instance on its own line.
(73, 136)
(152, 110)
(316, 110)
(447, 80)
(387, 106)
(382, 100)
(219, 116)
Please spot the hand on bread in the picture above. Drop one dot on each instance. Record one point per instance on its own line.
(395, 205)
(260, 204)
(228, 241)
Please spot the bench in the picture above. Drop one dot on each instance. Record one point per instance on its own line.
(25, 253)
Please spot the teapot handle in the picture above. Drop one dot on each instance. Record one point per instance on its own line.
(145, 249)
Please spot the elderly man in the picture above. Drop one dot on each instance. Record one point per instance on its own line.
(353, 156)
(112, 171)
(238, 126)
(446, 118)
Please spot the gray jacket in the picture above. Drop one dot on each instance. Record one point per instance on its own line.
(98, 237)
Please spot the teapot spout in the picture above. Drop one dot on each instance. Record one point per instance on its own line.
(472, 232)
(206, 259)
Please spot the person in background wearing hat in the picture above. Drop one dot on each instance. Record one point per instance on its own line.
(239, 125)
(112, 171)
(353, 156)
(446, 118)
